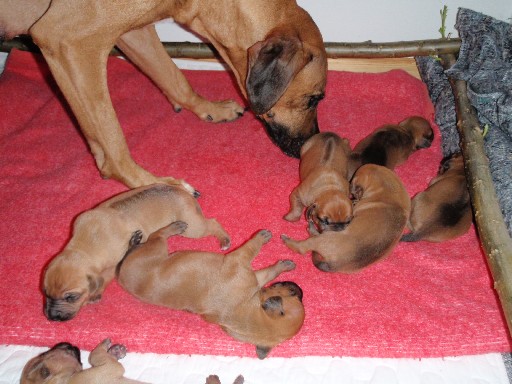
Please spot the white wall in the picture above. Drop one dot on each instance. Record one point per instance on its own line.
(376, 20)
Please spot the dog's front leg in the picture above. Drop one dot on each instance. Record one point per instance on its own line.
(268, 274)
(247, 252)
(144, 48)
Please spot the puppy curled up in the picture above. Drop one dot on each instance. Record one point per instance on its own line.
(324, 187)
(381, 210)
(391, 145)
(222, 289)
(79, 274)
(443, 211)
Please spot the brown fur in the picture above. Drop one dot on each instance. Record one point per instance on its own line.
(380, 215)
(443, 211)
(61, 365)
(391, 145)
(274, 48)
(79, 274)
(224, 290)
(324, 187)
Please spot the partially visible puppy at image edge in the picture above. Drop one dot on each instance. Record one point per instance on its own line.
(443, 211)
(324, 187)
(381, 209)
(222, 289)
(79, 274)
(62, 364)
(391, 145)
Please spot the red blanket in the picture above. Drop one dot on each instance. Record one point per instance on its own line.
(423, 300)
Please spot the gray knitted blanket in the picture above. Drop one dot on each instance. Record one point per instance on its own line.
(485, 63)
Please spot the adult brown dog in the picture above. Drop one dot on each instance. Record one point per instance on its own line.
(391, 145)
(62, 365)
(274, 48)
(324, 187)
(224, 290)
(443, 211)
(79, 274)
(380, 214)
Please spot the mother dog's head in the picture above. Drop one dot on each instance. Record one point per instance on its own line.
(285, 81)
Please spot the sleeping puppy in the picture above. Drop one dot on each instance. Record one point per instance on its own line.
(443, 211)
(61, 364)
(324, 187)
(381, 210)
(224, 290)
(391, 145)
(79, 274)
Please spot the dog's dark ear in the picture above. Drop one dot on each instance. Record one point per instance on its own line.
(36, 373)
(262, 352)
(272, 64)
(273, 306)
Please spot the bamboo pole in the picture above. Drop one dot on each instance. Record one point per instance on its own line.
(494, 236)
(334, 50)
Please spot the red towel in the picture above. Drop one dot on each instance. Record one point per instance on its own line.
(423, 300)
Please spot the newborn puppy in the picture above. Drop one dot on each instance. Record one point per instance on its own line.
(79, 274)
(324, 187)
(224, 290)
(381, 211)
(61, 364)
(391, 145)
(443, 211)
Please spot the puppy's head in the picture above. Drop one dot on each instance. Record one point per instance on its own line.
(56, 365)
(67, 287)
(285, 82)
(420, 130)
(454, 162)
(330, 212)
(283, 310)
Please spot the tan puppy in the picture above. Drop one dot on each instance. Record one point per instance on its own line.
(443, 211)
(391, 145)
(224, 290)
(324, 187)
(380, 215)
(62, 365)
(79, 274)
(274, 48)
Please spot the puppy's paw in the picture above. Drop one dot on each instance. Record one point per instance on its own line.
(213, 379)
(266, 235)
(287, 265)
(178, 227)
(225, 243)
(118, 351)
(219, 111)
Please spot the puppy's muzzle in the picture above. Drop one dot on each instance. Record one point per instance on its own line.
(288, 143)
(55, 310)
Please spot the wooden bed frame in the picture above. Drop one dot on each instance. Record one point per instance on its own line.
(380, 57)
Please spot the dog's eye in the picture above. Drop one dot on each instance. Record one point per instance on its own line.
(314, 100)
(324, 220)
(71, 297)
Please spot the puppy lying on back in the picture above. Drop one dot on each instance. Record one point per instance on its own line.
(443, 211)
(324, 187)
(79, 274)
(61, 365)
(224, 290)
(391, 145)
(381, 211)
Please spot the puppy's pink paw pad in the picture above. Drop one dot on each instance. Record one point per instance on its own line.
(118, 351)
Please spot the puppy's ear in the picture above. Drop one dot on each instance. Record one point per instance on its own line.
(262, 352)
(36, 373)
(272, 64)
(95, 284)
(273, 306)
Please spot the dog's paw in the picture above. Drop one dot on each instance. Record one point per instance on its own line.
(220, 111)
(176, 228)
(225, 243)
(118, 351)
(266, 235)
